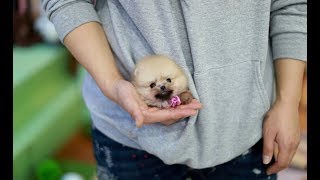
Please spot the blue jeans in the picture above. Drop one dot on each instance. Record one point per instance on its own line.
(116, 161)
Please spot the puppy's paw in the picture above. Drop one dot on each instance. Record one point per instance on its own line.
(186, 97)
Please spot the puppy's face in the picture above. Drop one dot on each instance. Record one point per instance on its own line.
(157, 79)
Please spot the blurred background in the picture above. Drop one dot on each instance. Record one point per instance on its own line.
(51, 125)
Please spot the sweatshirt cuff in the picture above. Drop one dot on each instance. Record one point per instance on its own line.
(69, 17)
(290, 45)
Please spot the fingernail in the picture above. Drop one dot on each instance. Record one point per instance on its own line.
(266, 159)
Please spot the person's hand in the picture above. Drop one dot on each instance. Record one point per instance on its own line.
(281, 135)
(125, 94)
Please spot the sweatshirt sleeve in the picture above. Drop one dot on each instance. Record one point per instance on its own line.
(288, 29)
(66, 15)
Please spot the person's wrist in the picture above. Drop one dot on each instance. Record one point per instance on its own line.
(110, 88)
(289, 101)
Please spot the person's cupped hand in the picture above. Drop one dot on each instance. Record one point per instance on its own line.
(127, 97)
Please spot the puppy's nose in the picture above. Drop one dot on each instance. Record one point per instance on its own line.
(162, 88)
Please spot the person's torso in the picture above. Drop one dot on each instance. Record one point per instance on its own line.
(224, 48)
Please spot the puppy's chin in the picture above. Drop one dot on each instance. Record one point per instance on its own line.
(160, 100)
(157, 103)
(164, 95)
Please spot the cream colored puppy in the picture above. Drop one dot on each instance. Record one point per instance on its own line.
(161, 82)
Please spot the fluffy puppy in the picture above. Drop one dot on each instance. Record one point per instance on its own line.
(159, 81)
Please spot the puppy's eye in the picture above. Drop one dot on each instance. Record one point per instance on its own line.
(169, 80)
(152, 85)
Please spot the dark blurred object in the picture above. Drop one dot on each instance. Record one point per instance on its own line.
(23, 20)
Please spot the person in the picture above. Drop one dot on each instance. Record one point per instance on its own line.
(244, 60)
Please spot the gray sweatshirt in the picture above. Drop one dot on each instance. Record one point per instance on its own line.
(226, 47)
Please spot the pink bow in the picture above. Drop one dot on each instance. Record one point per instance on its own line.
(175, 101)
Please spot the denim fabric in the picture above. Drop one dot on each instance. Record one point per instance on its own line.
(118, 162)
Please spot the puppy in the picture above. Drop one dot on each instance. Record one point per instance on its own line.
(161, 82)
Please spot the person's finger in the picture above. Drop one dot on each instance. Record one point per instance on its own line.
(275, 150)
(167, 123)
(292, 147)
(295, 142)
(269, 136)
(283, 160)
(152, 116)
(194, 104)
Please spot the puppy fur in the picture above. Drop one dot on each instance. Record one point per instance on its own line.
(158, 78)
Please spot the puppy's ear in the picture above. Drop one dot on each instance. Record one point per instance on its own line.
(135, 72)
(134, 75)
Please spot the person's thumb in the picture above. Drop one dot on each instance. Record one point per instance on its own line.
(132, 107)
(138, 117)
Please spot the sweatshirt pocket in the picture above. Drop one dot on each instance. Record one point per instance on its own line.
(232, 93)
